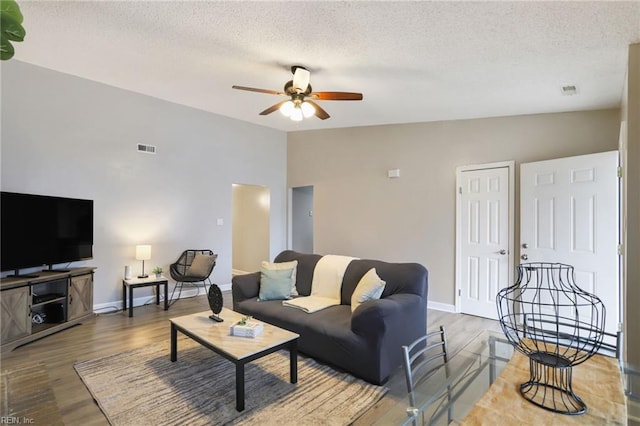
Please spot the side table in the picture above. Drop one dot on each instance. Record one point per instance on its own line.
(144, 282)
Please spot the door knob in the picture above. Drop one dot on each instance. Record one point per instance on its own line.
(524, 257)
(525, 245)
(502, 252)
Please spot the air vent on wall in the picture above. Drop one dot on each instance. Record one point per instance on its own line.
(149, 149)
(569, 90)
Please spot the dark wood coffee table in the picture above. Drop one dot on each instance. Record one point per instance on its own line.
(239, 350)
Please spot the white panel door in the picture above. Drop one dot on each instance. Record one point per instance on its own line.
(483, 240)
(569, 214)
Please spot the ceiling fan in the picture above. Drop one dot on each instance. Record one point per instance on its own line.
(301, 97)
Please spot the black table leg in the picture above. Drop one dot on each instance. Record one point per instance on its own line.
(166, 293)
(130, 301)
(293, 359)
(158, 294)
(124, 297)
(174, 343)
(240, 386)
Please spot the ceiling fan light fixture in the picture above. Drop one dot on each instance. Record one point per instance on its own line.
(307, 109)
(301, 97)
(301, 78)
(296, 114)
(287, 108)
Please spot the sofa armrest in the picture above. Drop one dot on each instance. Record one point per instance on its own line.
(399, 313)
(245, 287)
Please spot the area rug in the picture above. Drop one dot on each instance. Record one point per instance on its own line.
(27, 397)
(143, 387)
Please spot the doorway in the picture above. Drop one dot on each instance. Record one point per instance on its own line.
(484, 236)
(302, 219)
(250, 211)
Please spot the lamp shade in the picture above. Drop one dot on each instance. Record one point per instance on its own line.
(143, 252)
(287, 108)
(307, 109)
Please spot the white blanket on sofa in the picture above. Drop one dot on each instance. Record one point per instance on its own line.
(325, 286)
(310, 304)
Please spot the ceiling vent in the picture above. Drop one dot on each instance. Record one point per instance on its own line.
(149, 149)
(569, 90)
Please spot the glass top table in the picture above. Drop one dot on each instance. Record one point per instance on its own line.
(450, 393)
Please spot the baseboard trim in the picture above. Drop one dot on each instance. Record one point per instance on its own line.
(116, 305)
(441, 306)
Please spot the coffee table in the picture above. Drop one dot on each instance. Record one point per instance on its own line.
(239, 350)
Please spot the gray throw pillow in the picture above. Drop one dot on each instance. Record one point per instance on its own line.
(275, 284)
(201, 265)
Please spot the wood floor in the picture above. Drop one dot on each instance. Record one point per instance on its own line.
(116, 332)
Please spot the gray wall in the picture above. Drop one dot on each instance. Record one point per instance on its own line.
(302, 219)
(66, 136)
(250, 211)
(360, 212)
(631, 212)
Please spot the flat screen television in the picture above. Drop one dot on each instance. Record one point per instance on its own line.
(41, 230)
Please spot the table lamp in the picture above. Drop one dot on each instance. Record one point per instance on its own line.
(143, 252)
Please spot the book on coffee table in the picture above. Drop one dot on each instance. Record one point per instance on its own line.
(248, 329)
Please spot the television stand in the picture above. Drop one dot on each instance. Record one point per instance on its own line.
(17, 274)
(32, 308)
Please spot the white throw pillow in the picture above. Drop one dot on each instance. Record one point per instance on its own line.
(370, 287)
(284, 265)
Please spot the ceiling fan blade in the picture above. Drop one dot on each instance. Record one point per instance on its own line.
(336, 96)
(320, 113)
(273, 108)
(301, 79)
(253, 89)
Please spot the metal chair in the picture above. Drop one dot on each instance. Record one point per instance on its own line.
(183, 273)
(421, 359)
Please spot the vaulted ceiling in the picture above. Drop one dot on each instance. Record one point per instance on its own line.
(413, 61)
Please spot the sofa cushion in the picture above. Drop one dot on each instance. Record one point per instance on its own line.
(275, 284)
(399, 277)
(306, 266)
(293, 266)
(370, 287)
(273, 312)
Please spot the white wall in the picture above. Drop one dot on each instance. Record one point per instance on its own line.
(358, 211)
(66, 136)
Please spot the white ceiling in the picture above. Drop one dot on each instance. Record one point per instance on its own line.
(413, 61)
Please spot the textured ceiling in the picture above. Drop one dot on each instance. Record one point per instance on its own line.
(413, 61)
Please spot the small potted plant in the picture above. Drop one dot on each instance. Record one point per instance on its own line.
(158, 271)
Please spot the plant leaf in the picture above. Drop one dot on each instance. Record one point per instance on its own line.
(11, 8)
(11, 29)
(6, 49)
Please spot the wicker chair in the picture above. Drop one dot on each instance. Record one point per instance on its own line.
(185, 272)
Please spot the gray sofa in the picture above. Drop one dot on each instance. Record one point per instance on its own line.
(366, 343)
